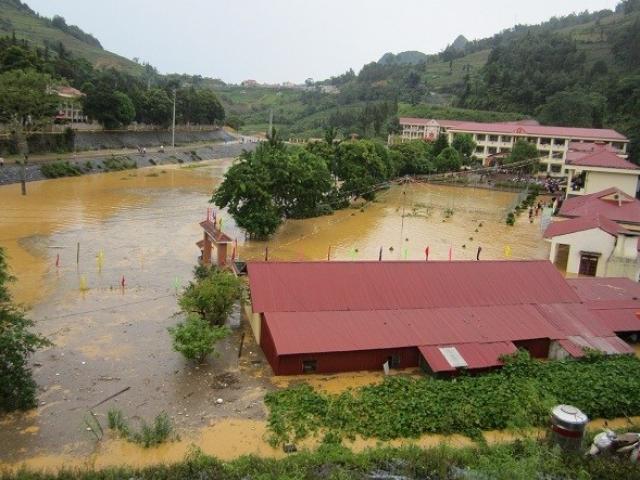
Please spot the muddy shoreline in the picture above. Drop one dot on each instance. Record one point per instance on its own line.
(11, 173)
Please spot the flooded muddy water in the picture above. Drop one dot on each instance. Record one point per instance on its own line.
(142, 225)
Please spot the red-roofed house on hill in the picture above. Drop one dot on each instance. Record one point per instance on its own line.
(442, 316)
(492, 138)
(594, 167)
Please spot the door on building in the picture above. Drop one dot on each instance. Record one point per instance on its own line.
(588, 264)
(562, 257)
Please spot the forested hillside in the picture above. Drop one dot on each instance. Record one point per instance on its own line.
(19, 19)
(580, 70)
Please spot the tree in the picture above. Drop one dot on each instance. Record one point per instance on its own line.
(440, 144)
(362, 165)
(195, 338)
(415, 157)
(25, 98)
(523, 150)
(17, 343)
(212, 297)
(275, 182)
(575, 108)
(157, 107)
(200, 106)
(113, 109)
(448, 160)
(465, 145)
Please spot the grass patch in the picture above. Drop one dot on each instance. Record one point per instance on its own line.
(60, 169)
(119, 163)
(520, 460)
(160, 431)
(520, 395)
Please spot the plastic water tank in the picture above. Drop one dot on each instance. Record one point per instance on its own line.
(568, 425)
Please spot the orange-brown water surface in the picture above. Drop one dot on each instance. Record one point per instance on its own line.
(142, 225)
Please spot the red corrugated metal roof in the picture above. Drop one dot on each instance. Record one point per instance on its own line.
(297, 332)
(338, 286)
(581, 224)
(615, 301)
(600, 158)
(603, 203)
(476, 355)
(601, 289)
(523, 129)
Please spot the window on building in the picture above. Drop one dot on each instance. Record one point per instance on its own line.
(492, 150)
(545, 141)
(506, 138)
(481, 138)
(531, 139)
(556, 168)
(544, 153)
(493, 138)
(479, 149)
(309, 366)
(559, 142)
(618, 145)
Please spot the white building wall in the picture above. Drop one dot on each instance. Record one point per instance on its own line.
(594, 240)
(598, 181)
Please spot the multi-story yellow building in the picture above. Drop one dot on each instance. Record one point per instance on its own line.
(499, 138)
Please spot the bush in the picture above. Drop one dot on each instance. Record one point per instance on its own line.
(195, 338)
(148, 435)
(213, 296)
(17, 343)
(60, 169)
(118, 163)
(520, 395)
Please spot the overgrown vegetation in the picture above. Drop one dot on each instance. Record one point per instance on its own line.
(520, 460)
(519, 395)
(160, 431)
(60, 169)
(17, 343)
(207, 302)
(118, 163)
(277, 181)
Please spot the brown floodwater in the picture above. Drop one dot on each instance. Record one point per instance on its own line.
(143, 225)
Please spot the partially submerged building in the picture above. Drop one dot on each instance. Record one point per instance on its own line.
(499, 137)
(442, 316)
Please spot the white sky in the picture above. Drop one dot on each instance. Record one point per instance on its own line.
(290, 40)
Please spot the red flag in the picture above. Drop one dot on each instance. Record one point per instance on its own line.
(58, 260)
(380, 255)
(329, 254)
(426, 254)
(450, 252)
(266, 253)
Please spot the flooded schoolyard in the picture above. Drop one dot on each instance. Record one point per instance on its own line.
(70, 243)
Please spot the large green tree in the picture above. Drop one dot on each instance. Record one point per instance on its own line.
(272, 183)
(156, 108)
(25, 98)
(362, 165)
(17, 343)
(112, 108)
(448, 160)
(574, 108)
(465, 145)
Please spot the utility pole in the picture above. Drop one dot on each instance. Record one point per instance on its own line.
(23, 176)
(270, 123)
(173, 128)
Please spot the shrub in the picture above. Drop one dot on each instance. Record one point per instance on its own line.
(60, 169)
(118, 163)
(148, 435)
(195, 338)
(213, 296)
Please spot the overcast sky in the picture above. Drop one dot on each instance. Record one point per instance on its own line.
(291, 40)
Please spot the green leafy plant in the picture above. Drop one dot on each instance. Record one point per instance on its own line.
(158, 432)
(195, 338)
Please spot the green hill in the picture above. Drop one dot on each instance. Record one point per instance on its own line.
(16, 17)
